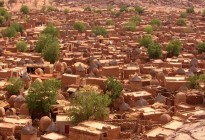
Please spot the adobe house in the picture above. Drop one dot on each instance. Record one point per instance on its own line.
(92, 130)
(96, 81)
(18, 122)
(135, 96)
(53, 136)
(194, 97)
(127, 71)
(110, 71)
(159, 133)
(174, 83)
(83, 133)
(149, 113)
(5, 74)
(187, 114)
(7, 129)
(63, 123)
(69, 79)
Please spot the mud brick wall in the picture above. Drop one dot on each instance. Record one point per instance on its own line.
(110, 71)
(96, 81)
(75, 134)
(68, 79)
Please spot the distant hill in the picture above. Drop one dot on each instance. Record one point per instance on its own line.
(80, 4)
(170, 3)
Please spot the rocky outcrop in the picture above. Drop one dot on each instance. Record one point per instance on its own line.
(190, 131)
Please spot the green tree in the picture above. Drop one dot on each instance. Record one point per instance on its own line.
(4, 13)
(1, 3)
(51, 30)
(148, 29)
(139, 9)
(43, 9)
(183, 15)
(135, 19)
(98, 30)
(18, 27)
(79, 26)
(155, 22)
(116, 13)
(2, 20)
(114, 88)
(44, 41)
(7, 16)
(87, 9)
(193, 82)
(130, 26)
(41, 96)
(174, 48)
(109, 22)
(203, 13)
(50, 8)
(48, 44)
(89, 105)
(154, 50)
(123, 8)
(51, 53)
(201, 47)
(201, 78)
(14, 85)
(146, 41)
(190, 10)
(181, 22)
(24, 9)
(9, 32)
(66, 11)
(21, 46)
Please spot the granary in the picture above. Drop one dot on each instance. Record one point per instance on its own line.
(28, 133)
